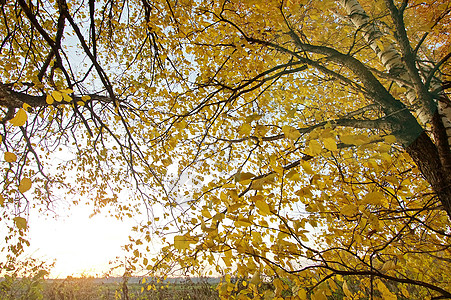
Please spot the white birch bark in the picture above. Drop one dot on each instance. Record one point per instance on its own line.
(391, 60)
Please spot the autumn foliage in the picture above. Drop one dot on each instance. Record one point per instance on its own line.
(300, 148)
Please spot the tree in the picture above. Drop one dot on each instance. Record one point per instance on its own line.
(57, 141)
(318, 133)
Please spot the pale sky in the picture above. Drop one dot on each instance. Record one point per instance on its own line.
(78, 244)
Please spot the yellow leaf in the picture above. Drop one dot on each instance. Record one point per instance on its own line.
(49, 99)
(346, 290)
(380, 44)
(206, 213)
(245, 129)
(290, 132)
(25, 185)
(307, 167)
(318, 295)
(315, 147)
(386, 294)
(296, 177)
(85, 97)
(242, 223)
(329, 144)
(254, 117)
(26, 106)
(384, 148)
(227, 258)
(263, 207)
(392, 179)
(278, 284)
(302, 294)
(239, 177)
(10, 157)
(348, 139)
(20, 118)
(259, 183)
(349, 210)
(333, 286)
(67, 91)
(2, 200)
(181, 242)
(21, 223)
(388, 265)
(405, 292)
(358, 139)
(386, 157)
(362, 139)
(255, 278)
(261, 130)
(390, 139)
(374, 198)
(67, 98)
(57, 96)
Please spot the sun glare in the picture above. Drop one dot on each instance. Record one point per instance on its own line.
(79, 245)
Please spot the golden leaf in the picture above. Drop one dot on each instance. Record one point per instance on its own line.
(10, 157)
(263, 207)
(245, 129)
(57, 96)
(49, 99)
(386, 293)
(25, 185)
(20, 222)
(182, 242)
(388, 265)
(302, 294)
(390, 139)
(348, 139)
(206, 213)
(307, 167)
(346, 290)
(290, 132)
(329, 144)
(20, 118)
(374, 198)
(240, 177)
(255, 280)
(349, 210)
(315, 147)
(67, 98)
(242, 222)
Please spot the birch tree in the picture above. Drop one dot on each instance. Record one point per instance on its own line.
(326, 126)
(315, 136)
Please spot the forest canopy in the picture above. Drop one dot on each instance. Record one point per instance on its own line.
(300, 143)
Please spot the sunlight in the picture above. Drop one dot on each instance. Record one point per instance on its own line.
(79, 245)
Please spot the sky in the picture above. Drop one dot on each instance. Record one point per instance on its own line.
(78, 244)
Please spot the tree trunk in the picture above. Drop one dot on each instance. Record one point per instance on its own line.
(424, 153)
(432, 157)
